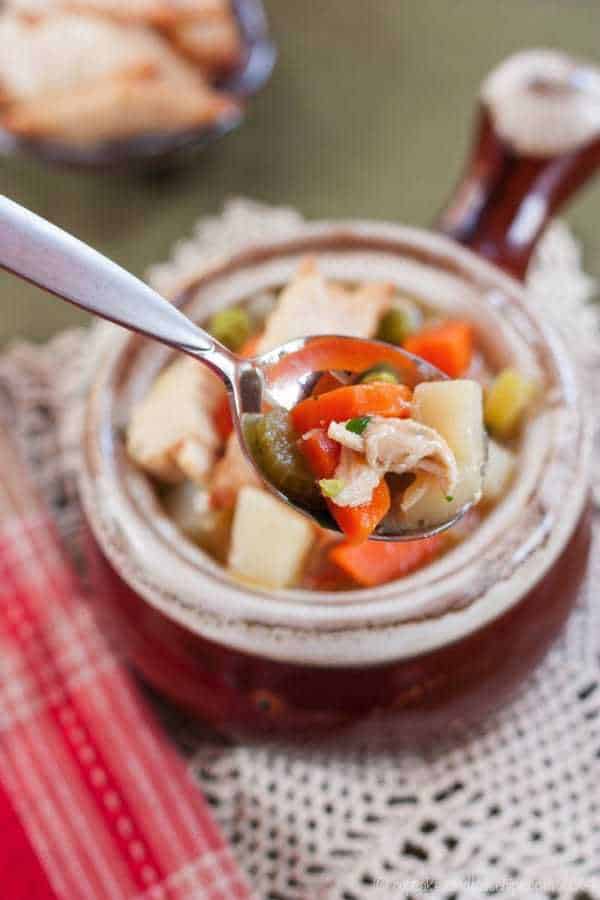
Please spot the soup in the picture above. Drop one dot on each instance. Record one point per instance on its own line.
(181, 435)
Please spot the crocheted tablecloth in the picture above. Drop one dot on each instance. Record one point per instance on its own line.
(511, 809)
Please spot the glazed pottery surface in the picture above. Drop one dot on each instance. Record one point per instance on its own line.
(448, 642)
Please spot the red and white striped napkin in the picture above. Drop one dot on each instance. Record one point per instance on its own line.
(95, 804)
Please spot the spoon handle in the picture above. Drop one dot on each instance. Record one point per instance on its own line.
(47, 256)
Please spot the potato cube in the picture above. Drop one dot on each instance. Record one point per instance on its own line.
(498, 471)
(455, 410)
(269, 541)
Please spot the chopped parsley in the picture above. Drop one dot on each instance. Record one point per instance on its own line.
(357, 426)
(331, 487)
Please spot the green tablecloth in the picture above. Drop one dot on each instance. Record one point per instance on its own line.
(368, 114)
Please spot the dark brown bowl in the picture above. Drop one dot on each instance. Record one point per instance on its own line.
(149, 150)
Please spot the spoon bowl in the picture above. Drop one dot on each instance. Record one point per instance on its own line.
(285, 376)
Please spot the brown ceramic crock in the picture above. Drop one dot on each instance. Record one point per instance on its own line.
(451, 642)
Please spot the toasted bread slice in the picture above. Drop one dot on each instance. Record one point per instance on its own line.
(84, 80)
(213, 42)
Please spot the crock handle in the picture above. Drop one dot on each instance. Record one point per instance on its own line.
(537, 141)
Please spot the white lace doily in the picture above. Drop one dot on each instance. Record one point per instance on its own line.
(510, 810)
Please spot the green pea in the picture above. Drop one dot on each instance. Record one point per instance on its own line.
(231, 327)
(394, 327)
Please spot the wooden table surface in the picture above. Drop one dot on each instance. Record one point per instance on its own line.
(368, 114)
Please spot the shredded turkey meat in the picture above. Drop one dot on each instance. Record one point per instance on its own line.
(399, 446)
(359, 479)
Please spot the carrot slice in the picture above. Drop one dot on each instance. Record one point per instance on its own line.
(251, 346)
(349, 402)
(327, 382)
(321, 453)
(357, 522)
(448, 345)
(222, 418)
(370, 564)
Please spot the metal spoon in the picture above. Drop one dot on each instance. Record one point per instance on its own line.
(43, 254)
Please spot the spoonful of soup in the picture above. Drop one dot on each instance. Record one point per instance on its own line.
(363, 436)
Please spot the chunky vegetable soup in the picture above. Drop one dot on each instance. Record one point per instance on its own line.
(365, 445)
